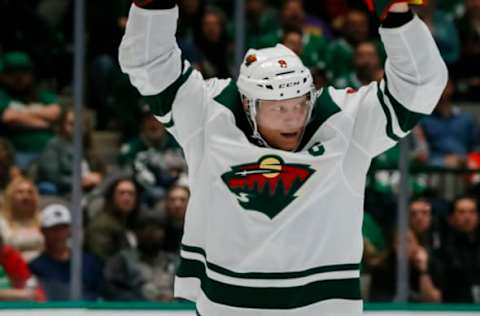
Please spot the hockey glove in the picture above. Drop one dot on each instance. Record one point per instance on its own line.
(155, 4)
(381, 7)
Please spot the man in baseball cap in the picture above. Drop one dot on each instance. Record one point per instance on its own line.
(52, 267)
(56, 215)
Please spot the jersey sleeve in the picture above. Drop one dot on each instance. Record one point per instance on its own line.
(176, 93)
(415, 77)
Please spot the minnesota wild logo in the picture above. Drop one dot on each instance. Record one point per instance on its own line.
(268, 185)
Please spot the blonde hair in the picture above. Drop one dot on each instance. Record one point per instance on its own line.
(8, 211)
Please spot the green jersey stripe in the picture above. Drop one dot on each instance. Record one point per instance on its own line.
(269, 297)
(406, 119)
(388, 115)
(271, 275)
(231, 99)
(161, 104)
(169, 124)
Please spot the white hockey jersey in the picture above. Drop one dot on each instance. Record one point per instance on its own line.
(270, 232)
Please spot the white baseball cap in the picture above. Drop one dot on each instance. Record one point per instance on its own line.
(55, 214)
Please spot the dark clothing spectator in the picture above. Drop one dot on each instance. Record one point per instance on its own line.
(146, 272)
(54, 277)
(467, 70)
(213, 43)
(454, 134)
(107, 234)
(424, 273)
(460, 256)
(22, 29)
(443, 30)
(129, 277)
(173, 239)
(384, 280)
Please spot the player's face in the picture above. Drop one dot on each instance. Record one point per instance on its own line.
(281, 123)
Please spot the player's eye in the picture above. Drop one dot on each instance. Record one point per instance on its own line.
(279, 108)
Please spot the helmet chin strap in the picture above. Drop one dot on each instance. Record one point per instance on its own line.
(252, 113)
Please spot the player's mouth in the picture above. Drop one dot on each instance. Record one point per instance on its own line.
(291, 135)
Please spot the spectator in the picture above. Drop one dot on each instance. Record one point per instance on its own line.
(27, 112)
(340, 53)
(16, 281)
(104, 34)
(189, 27)
(367, 67)
(52, 267)
(311, 55)
(21, 222)
(55, 169)
(191, 12)
(294, 16)
(425, 274)
(155, 157)
(373, 242)
(176, 207)
(261, 20)
(460, 253)
(422, 224)
(110, 230)
(454, 8)
(295, 20)
(144, 273)
(444, 31)
(8, 169)
(293, 39)
(22, 29)
(468, 68)
(319, 77)
(450, 133)
(213, 43)
(329, 10)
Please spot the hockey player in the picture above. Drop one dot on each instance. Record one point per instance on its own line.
(277, 170)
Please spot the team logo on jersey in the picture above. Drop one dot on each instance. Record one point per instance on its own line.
(268, 185)
(283, 63)
(250, 59)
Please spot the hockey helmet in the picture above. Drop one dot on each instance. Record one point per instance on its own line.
(275, 73)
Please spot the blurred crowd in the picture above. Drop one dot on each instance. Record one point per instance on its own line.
(135, 202)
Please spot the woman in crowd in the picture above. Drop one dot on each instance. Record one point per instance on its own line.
(110, 230)
(20, 224)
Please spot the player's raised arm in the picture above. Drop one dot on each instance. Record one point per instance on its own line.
(415, 77)
(175, 92)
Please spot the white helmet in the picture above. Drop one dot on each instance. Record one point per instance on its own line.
(275, 73)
